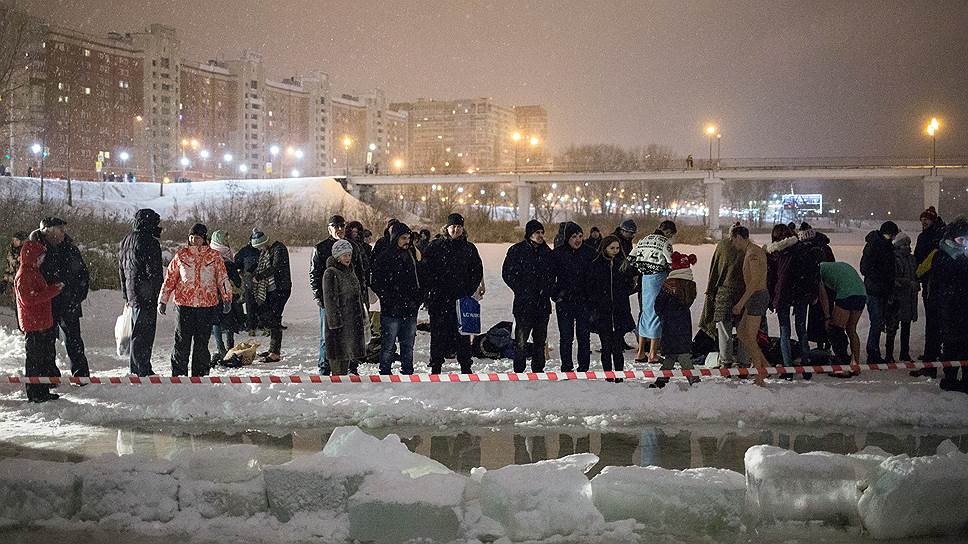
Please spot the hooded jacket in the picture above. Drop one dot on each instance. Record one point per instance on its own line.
(344, 312)
(396, 277)
(819, 242)
(672, 306)
(529, 273)
(34, 294)
(652, 254)
(877, 265)
(570, 267)
(928, 241)
(607, 292)
(452, 269)
(139, 261)
(321, 253)
(63, 263)
(950, 282)
(905, 301)
(197, 278)
(793, 272)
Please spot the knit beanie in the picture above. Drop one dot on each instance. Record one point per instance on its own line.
(455, 219)
(258, 238)
(682, 261)
(533, 226)
(902, 240)
(629, 226)
(342, 247)
(889, 228)
(930, 213)
(220, 237)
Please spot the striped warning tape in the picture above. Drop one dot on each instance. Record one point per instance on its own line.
(485, 377)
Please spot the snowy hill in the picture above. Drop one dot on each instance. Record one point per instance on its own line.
(124, 198)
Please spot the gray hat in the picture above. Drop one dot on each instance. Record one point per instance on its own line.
(258, 238)
(342, 247)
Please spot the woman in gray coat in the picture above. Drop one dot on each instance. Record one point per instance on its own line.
(344, 311)
(903, 307)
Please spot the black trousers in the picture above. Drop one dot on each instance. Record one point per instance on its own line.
(955, 351)
(444, 336)
(70, 326)
(251, 307)
(536, 328)
(932, 328)
(270, 314)
(192, 334)
(41, 361)
(613, 350)
(573, 325)
(144, 322)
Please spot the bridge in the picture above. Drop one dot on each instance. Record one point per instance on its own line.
(714, 176)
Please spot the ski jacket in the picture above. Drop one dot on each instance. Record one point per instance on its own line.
(196, 277)
(139, 262)
(528, 272)
(34, 294)
(652, 255)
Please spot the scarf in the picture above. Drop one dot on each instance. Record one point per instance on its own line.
(262, 287)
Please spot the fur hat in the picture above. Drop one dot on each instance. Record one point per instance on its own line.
(629, 226)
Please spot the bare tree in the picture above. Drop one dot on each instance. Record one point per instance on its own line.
(18, 33)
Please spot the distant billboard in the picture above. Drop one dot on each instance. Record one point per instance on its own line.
(803, 203)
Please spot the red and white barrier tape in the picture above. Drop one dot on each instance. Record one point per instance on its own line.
(486, 377)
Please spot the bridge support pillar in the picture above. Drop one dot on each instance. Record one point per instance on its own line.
(524, 203)
(932, 191)
(714, 201)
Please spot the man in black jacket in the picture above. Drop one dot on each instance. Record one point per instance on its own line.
(63, 263)
(950, 279)
(932, 232)
(528, 272)
(452, 270)
(141, 273)
(384, 243)
(570, 262)
(877, 266)
(273, 286)
(396, 281)
(323, 251)
(247, 260)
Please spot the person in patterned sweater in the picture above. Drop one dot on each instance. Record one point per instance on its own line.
(200, 284)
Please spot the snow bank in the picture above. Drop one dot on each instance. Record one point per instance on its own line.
(222, 481)
(143, 488)
(389, 454)
(919, 496)
(541, 499)
(782, 485)
(704, 500)
(38, 490)
(312, 483)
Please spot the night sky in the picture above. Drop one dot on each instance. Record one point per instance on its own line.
(782, 79)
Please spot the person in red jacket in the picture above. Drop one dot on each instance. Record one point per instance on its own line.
(199, 281)
(36, 319)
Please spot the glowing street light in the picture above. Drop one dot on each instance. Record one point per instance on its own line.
(299, 153)
(124, 156)
(711, 131)
(534, 140)
(36, 149)
(294, 173)
(205, 154)
(185, 162)
(347, 143)
(227, 157)
(372, 147)
(243, 168)
(273, 150)
(932, 131)
(516, 136)
(194, 143)
(398, 164)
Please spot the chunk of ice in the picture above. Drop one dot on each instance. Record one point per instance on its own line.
(312, 483)
(34, 490)
(140, 487)
(395, 508)
(212, 499)
(383, 455)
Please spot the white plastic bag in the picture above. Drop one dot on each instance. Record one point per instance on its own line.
(122, 332)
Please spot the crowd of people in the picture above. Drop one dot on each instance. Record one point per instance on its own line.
(587, 282)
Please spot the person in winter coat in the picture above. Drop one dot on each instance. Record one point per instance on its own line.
(793, 277)
(842, 298)
(594, 239)
(452, 270)
(932, 232)
(569, 263)
(396, 280)
(362, 257)
(345, 315)
(383, 243)
(950, 278)
(607, 291)
(423, 240)
(200, 285)
(247, 260)
(877, 266)
(321, 253)
(819, 244)
(528, 272)
(228, 324)
(625, 233)
(652, 258)
(13, 260)
(34, 295)
(142, 274)
(725, 287)
(273, 286)
(903, 308)
(63, 263)
(672, 304)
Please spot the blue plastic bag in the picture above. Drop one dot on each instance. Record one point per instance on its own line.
(469, 316)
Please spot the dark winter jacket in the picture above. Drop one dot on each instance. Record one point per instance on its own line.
(247, 259)
(793, 272)
(139, 262)
(607, 292)
(672, 306)
(819, 243)
(396, 280)
(344, 312)
(528, 272)
(34, 293)
(278, 268)
(570, 267)
(877, 265)
(928, 241)
(625, 243)
(950, 281)
(904, 306)
(726, 286)
(322, 252)
(65, 264)
(452, 269)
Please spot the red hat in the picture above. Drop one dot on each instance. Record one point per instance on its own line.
(930, 213)
(681, 261)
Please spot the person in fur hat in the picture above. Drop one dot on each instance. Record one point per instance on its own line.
(672, 304)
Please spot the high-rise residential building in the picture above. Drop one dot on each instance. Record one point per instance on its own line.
(208, 120)
(531, 124)
(459, 135)
(159, 50)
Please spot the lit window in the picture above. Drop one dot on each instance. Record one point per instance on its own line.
(87, 90)
(87, 52)
(60, 86)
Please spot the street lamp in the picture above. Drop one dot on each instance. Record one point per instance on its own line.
(227, 157)
(243, 168)
(932, 130)
(294, 173)
(398, 164)
(39, 150)
(711, 131)
(719, 142)
(347, 142)
(299, 153)
(185, 162)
